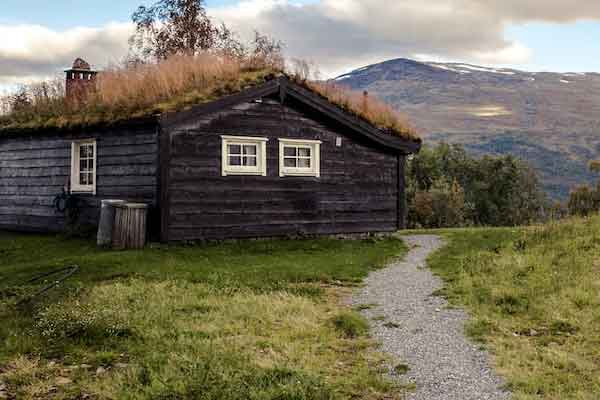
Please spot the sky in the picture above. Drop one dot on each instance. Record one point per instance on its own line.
(39, 38)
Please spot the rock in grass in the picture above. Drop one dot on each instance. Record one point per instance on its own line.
(62, 381)
(100, 371)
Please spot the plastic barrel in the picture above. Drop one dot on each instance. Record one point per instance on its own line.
(107, 220)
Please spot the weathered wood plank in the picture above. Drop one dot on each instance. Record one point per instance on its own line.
(136, 159)
(36, 211)
(127, 170)
(110, 149)
(37, 163)
(34, 170)
(357, 190)
(278, 230)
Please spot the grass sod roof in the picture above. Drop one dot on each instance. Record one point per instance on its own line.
(126, 94)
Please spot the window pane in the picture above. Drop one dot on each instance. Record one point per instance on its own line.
(250, 161)
(82, 151)
(91, 164)
(289, 162)
(304, 152)
(250, 150)
(290, 151)
(83, 179)
(234, 149)
(235, 160)
(90, 179)
(304, 163)
(82, 165)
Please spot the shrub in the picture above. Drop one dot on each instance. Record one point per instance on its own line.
(442, 206)
(446, 187)
(77, 319)
(351, 325)
(584, 201)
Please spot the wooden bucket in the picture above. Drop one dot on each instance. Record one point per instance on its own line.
(129, 231)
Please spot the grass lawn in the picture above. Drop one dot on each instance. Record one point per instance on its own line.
(248, 320)
(534, 294)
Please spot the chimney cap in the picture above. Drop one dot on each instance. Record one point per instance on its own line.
(80, 65)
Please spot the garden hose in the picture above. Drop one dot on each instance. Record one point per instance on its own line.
(66, 273)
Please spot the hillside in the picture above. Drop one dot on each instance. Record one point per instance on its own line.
(532, 294)
(550, 119)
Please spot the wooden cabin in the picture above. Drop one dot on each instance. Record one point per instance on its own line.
(276, 159)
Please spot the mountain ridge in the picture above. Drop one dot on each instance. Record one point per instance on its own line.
(550, 119)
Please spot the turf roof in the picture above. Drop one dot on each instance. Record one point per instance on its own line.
(98, 115)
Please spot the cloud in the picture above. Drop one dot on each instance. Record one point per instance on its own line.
(339, 34)
(30, 52)
(335, 34)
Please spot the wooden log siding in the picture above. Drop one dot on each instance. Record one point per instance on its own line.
(33, 170)
(357, 191)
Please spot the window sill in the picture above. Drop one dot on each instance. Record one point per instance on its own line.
(300, 174)
(83, 192)
(243, 173)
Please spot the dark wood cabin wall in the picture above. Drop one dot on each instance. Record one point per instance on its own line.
(33, 170)
(357, 191)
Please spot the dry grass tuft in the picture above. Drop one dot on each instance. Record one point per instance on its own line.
(144, 89)
(137, 90)
(367, 107)
(138, 86)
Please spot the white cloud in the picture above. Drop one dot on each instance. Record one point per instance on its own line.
(30, 52)
(342, 34)
(337, 35)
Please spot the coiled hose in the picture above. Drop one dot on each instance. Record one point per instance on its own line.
(63, 274)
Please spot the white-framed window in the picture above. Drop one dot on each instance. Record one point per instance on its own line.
(298, 157)
(83, 166)
(243, 155)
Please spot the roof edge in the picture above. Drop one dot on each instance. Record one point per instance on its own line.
(367, 129)
(137, 122)
(286, 86)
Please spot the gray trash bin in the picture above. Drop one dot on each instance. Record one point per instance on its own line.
(107, 221)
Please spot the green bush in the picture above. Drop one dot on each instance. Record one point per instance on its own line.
(442, 206)
(584, 201)
(80, 320)
(446, 187)
(351, 325)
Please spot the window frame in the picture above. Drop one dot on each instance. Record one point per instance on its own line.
(315, 158)
(76, 187)
(260, 169)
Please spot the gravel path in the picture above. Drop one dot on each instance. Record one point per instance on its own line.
(426, 335)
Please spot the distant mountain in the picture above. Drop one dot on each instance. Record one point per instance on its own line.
(550, 119)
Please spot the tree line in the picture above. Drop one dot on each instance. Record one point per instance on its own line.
(447, 187)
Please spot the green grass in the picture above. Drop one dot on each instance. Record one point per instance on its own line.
(534, 294)
(247, 320)
(351, 324)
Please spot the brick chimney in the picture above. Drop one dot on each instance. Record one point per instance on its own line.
(81, 79)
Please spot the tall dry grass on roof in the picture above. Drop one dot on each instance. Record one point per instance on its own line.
(367, 107)
(137, 89)
(137, 86)
(142, 89)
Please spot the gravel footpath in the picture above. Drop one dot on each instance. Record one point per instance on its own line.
(421, 332)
